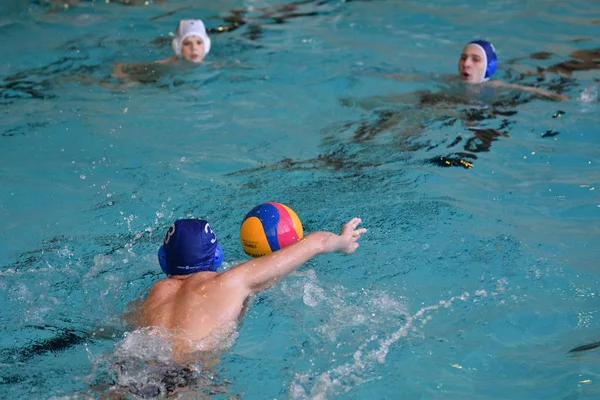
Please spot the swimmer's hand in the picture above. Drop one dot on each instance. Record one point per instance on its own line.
(347, 241)
(561, 97)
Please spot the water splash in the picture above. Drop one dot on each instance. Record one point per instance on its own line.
(589, 94)
(369, 315)
(145, 363)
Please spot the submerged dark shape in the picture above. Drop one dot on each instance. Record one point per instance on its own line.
(550, 133)
(457, 160)
(585, 347)
(580, 60)
(63, 339)
(583, 60)
(541, 55)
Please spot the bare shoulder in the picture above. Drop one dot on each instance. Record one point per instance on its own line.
(205, 280)
(164, 287)
(233, 277)
(238, 278)
(158, 295)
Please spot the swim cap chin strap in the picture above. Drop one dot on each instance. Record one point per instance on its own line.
(491, 62)
(189, 269)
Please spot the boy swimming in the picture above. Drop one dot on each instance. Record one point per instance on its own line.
(476, 66)
(189, 317)
(190, 45)
(471, 89)
(478, 62)
(194, 300)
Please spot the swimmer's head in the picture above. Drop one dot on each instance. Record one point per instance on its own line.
(191, 41)
(477, 62)
(190, 246)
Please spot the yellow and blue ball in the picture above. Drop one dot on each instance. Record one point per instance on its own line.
(268, 228)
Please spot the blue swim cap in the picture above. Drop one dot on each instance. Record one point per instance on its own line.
(190, 246)
(490, 57)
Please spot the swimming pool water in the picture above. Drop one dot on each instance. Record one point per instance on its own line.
(471, 282)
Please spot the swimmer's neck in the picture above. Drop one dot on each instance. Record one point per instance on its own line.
(206, 274)
(177, 59)
(477, 87)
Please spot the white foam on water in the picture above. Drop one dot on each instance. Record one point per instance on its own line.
(373, 311)
(143, 355)
(589, 94)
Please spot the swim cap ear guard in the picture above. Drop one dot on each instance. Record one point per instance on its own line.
(218, 257)
(491, 61)
(162, 259)
(218, 260)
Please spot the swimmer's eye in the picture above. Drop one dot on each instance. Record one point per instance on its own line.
(476, 59)
(189, 43)
(463, 57)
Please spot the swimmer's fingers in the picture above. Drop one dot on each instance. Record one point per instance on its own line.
(350, 235)
(359, 232)
(354, 222)
(351, 248)
(350, 226)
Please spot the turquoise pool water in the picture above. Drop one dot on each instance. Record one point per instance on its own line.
(471, 282)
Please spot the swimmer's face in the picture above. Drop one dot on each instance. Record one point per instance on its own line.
(192, 49)
(471, 65)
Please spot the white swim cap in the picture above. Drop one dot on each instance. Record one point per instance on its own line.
(190, 27)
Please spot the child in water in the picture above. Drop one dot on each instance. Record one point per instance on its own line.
(471, 86)
(478, 63)
(191, 44)
(458, 94)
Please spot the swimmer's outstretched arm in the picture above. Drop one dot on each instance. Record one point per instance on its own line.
(120, 70)
(259, 274)
(126, 70)
(542, 92)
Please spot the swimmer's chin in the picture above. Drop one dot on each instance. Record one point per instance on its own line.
(197, 60)
(468, 79)
(193, 59)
